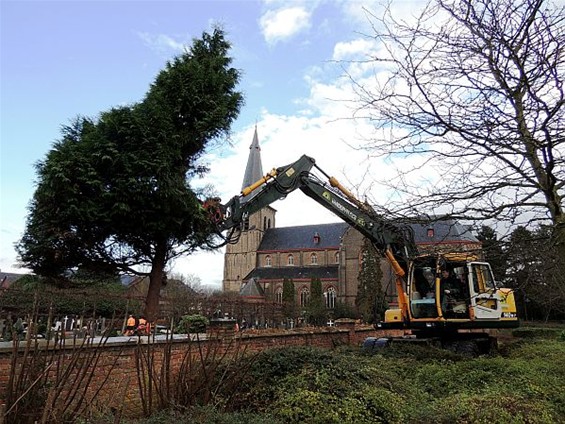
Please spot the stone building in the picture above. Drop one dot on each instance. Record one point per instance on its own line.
(266, 255)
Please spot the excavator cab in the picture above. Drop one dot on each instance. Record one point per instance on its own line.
(421, 289)
(438, 289)
(458, 291)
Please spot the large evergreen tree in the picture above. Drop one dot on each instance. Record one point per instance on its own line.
(114, 193)
(316, 308)
(370, 301)
(493, 251)
(288, 297)
(535, 274)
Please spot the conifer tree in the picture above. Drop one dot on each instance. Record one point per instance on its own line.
(370, 301)
(316, 308)
(114, 193)
(289, 302)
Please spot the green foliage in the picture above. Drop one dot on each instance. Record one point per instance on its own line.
(537, 332)
(269, 368)
(343, 310)
(192, 324)
(410, 384)
(288, 297)
(535, 270)
(406, 384)
(114, 193)
(204, 415)
(92, 296)
(371, 301)
(371, 405)
(316, 309)
(493, 250)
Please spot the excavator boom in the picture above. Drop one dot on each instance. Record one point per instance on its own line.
(332, 195)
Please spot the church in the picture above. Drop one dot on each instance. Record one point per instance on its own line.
(264, 256)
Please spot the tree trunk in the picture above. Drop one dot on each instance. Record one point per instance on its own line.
(156, 278)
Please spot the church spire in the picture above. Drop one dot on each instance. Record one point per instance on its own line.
(254, 168)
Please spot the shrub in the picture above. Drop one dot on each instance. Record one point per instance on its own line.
(192, 324)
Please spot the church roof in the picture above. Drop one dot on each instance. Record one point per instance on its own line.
(251, 288)
(444, 231)
(254, 168)
(303, 237)
(294, 272)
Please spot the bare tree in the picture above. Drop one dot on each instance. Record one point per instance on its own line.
(475, 88)
(190, 280)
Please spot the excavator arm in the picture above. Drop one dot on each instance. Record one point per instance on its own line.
(393, 241)
(279, 182)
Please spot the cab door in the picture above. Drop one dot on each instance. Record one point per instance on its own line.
(485, 300)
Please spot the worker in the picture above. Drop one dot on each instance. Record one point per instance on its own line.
(450, 290)
(142, 328)
(130, 325)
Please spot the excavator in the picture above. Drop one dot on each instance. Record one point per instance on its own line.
(446, 298)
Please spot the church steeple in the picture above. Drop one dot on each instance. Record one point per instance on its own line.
(241, 257)
(254, 168)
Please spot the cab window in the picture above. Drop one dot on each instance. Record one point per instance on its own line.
(482, 278)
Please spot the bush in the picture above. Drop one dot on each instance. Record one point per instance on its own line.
(192, 324)
(404, 384)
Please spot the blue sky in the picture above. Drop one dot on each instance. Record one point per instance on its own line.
(68, 58)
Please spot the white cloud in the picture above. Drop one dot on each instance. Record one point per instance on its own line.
(282, 24)
(359, 48)
(163, 43)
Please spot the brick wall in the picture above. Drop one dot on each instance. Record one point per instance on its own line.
(114, 364)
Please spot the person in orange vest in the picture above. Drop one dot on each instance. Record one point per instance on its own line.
(142, 328)
(130, 326)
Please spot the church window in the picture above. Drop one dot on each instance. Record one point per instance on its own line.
(279, 295)
(314, 259)
(269, 223)
(304, 296)
(268, 260)
(336, 257)
(331, 297)
(290, 260)
(264, 223)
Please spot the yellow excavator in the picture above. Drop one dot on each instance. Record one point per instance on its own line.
(449, 298)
